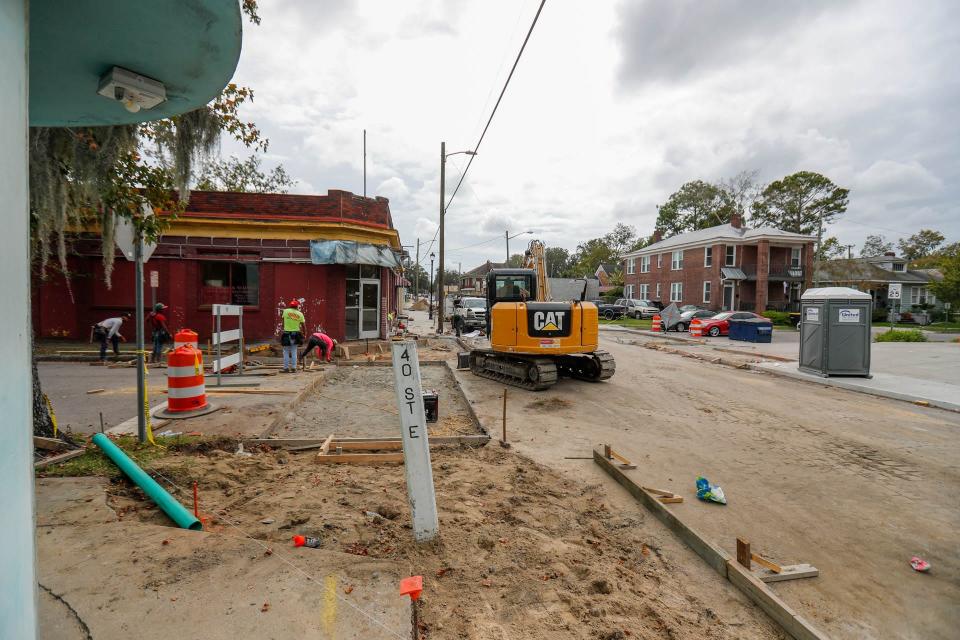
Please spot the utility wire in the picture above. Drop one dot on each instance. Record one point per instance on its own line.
(494, 112)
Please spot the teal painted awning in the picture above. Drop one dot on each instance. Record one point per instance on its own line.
(191, 46)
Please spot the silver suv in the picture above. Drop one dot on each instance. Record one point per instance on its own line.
(638, 308)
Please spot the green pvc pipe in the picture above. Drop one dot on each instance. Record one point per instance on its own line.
(139, 477)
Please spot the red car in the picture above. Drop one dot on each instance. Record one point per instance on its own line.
(719, 324)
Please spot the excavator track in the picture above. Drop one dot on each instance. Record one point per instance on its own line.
(535, 374)
(593, 367)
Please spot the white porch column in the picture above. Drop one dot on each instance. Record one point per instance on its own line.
(18, 580)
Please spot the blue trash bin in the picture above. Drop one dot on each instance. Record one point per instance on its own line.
(736, 330)
(757, 330)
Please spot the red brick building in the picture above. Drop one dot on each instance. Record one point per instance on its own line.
(253, 249)
(727, 267)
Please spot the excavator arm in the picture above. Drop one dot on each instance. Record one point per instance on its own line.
(535, 258)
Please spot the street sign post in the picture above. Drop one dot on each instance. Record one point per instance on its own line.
(416, 446)
(130, 241)
(894, 294)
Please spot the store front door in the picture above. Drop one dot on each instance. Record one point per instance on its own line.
(363, 302)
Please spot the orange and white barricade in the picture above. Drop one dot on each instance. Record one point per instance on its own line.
(656, 324)
(186, 337)
(186, 390)
(696, 331)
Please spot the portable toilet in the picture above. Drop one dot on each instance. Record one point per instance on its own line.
(835, 331)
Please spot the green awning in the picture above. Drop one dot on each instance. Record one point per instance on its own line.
(191, 46)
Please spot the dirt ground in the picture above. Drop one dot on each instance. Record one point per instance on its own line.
(360, 402)
(524, 552)
(853, 484)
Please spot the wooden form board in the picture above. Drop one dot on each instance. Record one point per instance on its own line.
(791, 622)
(63, 457)
(359, 458)
(356, 444)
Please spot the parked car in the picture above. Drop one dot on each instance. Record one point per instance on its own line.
(719, 325)
(688, 316)
(638, 308)
(469, 314)
(609, 311)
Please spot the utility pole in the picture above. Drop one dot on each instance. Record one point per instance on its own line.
(138, 319)
(443, 207)
(816, 263)
(364, 163)
(850, 251)
(430, 304)
(416, 274)
(506, 236)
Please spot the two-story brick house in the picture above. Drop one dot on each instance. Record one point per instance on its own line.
(727, 267)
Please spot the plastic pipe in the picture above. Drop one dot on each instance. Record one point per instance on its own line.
(139, 477)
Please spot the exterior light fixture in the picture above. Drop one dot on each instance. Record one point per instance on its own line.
(131, 89)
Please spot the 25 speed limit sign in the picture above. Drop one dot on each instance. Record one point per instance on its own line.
(894, 291)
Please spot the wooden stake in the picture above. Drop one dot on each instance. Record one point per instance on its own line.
(325, 447)
(503, 441)
(743, 552)
(763, 562)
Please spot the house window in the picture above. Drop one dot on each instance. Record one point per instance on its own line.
(914, 295)
(730, 259)
(644, 291)
(676, 261)
(795, 257)
(708, 257)
(706, 291)
(658, 291)
(899, 266)
(659, 261)
(223, 282)
(628, 291)
(631, 266)
(644, 264)
(676, 292)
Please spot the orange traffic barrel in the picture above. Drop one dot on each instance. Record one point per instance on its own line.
(656, 324)
(696, 331)
(185, 387)
(186, 337)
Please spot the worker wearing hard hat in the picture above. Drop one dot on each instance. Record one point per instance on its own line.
(292, 335)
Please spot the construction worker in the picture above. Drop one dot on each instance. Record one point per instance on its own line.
(109, 330)
(160, 331)
(321, 341)
(292, 335)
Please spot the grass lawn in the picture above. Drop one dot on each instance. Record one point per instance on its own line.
(630, 323)
(944, 327)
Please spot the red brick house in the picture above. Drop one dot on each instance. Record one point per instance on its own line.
(727, 267)
(474, 282)
(339, 252)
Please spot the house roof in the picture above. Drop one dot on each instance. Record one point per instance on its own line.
(483, 269)
(864, 270)
(608, 267)
(720, 233)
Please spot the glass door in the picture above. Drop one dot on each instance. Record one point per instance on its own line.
(727, 296)
(369, 309)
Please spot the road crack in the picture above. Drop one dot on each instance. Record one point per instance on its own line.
(83, 625)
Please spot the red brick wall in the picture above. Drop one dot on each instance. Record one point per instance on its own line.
(692, 276)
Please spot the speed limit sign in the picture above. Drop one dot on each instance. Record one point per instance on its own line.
(894, 291)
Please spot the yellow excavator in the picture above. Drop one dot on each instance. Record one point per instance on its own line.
(534, 341)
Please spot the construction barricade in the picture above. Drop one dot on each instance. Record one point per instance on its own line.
(186, 337)
(656, 324)
(696, 328)
(186, 391)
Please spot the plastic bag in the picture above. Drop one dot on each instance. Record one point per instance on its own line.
(709, 492)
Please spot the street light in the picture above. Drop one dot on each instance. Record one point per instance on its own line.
(430, 305)
(443, 209)
(507, 237)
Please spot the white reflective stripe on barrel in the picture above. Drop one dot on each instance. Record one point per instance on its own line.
(184, 372)
(186, 392)
(177, 345)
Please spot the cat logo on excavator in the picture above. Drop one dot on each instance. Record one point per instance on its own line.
(548, 321)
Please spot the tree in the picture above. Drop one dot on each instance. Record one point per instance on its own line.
(948, 289)
(875, 245)
(234, 174)
(936, 259)
(696, 205)
(742, 190)
(558, 262)
(802, 202)
(418, 277)
(831, 249)
(921, 244)
(515, 261)
(623, 238)
(590, 255)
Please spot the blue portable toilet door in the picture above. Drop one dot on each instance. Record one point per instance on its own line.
(811, 335)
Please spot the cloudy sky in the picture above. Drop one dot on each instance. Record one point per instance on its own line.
(613, 107)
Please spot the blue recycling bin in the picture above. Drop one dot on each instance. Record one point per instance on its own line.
(735, 330)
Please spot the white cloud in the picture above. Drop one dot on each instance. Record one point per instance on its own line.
(611, 109)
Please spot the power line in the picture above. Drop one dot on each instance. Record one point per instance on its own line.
(497, 105)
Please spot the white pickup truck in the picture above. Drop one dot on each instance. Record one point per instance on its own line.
(469, 314)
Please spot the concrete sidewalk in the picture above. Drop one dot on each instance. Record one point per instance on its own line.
(935, 393)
